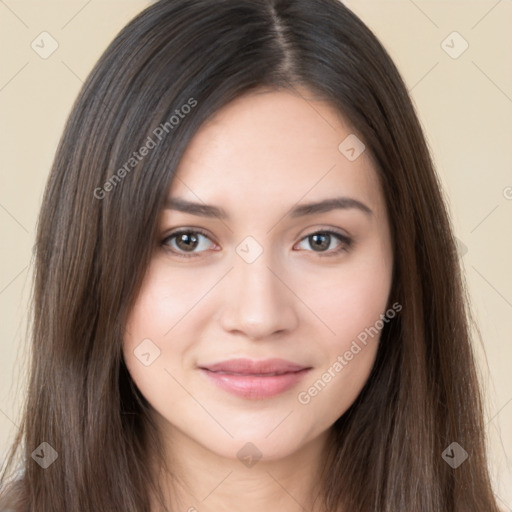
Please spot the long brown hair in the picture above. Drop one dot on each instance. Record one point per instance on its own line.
(96, 234)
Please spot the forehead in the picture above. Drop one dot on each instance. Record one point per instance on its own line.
(274, 147)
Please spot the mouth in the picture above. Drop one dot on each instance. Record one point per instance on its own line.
(255, 379)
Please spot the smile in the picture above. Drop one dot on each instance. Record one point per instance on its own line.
(255, 386)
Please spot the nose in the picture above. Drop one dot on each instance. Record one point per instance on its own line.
(258, 303)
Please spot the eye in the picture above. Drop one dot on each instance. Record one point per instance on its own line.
(184, 242)
(322, 240)
(187, 243)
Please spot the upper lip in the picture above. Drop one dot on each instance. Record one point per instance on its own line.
(250, 367)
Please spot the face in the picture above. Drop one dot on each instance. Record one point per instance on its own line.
(260, 320)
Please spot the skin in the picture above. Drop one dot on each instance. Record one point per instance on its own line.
(257, 158)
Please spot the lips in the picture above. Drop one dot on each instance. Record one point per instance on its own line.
(255, 379)
(259, 368)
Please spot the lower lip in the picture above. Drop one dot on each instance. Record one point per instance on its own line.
(254, 386)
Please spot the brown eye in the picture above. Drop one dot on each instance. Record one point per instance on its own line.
(321, 241)
(185, 242)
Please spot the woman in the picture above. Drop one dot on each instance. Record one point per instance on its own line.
(247, 289)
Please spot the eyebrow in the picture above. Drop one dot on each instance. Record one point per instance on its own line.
(300, 210)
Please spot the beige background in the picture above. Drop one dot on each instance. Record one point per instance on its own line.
(464, 103)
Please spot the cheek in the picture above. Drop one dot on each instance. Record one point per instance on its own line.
(154, 314)
(353, 306)
(335, 387)
(161, 330)
(149, 360)
(354, 298)
(357, 320)
(165, 303)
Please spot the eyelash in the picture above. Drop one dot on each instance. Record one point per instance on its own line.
(346, 242)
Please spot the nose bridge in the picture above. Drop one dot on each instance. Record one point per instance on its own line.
(255, 277)
(256, 302)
